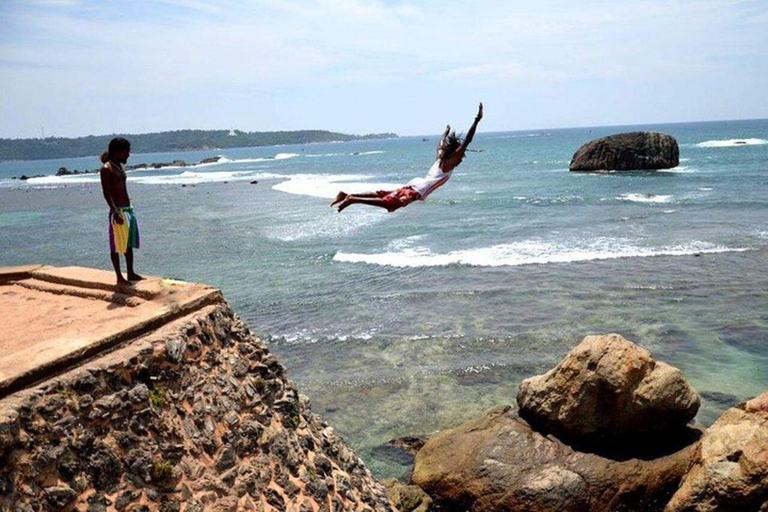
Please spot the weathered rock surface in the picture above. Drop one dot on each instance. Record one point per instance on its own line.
(628, 151)
(407, 498)
(196, 416)
(499, 463)
(609, 388)
(730, 471)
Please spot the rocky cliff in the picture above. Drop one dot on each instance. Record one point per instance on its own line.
(196, 415)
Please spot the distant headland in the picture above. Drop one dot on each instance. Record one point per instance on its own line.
(164, 142)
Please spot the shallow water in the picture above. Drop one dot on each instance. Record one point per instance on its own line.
(409, 322)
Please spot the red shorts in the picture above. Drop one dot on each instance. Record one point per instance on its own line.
(394, 199)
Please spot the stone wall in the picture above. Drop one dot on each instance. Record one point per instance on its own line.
(195, 416)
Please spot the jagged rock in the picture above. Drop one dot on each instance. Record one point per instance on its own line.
(498, 462)
(628, 151)
(215, 390)
(59, 497)
(609, 388)
(407, 498)
(409, 444)
(210, 160)
(730, 471)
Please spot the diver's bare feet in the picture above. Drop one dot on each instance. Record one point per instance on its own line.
(346, 202)
(135, 277)
(339, 198)
(123, 282)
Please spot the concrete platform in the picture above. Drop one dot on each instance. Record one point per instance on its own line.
(55, 318)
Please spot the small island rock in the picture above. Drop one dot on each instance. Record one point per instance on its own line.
(628, 152)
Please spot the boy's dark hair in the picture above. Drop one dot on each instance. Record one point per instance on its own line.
(115, 145)
(452, 143)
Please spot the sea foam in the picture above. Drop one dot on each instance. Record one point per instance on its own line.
(328, 185)
(194, 178)
(286, 156)
(726, 143)
(530, 253)
(645, 198)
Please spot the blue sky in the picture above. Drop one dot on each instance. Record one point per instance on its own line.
(92, 67)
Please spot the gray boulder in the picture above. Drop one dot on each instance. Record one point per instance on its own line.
(628, 152)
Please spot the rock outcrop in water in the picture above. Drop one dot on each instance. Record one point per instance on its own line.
(607, 432)
(628, 152)
(730, 470)
(609, 388)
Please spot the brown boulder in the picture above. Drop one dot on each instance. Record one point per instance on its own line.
(499, 463)
(628, 152)
(730, 471)
(609, 388)
(406, 498)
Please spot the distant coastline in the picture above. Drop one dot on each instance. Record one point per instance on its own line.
(171, 141)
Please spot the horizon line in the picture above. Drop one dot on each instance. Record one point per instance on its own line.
(578, 127)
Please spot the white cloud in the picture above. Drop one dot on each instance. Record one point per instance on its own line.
(144, 51)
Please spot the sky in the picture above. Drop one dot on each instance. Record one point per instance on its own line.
(78, 67)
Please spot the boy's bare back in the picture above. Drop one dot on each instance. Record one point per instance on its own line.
(113, 181)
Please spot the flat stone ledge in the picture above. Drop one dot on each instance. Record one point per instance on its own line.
(55, 318)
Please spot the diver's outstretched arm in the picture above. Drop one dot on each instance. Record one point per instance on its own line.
(472, 129)
(441, 144)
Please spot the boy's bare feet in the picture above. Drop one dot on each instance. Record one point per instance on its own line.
(339, 198)
(346, 202)
(135, 277)
(123, 282)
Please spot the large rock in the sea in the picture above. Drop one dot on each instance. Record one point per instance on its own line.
(609, 388)
(628, 152)
(498, 462)
(730, 471)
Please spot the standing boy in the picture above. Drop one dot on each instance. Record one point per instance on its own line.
(123, 227)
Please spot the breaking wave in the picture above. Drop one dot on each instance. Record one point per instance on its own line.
(328, 185)
(645, 198)
(529, 253)
(727, 143)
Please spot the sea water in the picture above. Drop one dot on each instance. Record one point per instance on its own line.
(410, 322)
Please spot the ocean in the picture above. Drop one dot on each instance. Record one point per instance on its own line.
(407, 323)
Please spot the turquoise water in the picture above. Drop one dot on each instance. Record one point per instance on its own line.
(405, 323)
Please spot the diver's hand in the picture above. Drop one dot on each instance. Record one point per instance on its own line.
(479, 115)
(117, 217)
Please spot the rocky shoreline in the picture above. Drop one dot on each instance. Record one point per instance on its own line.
(63, 171)
(607, 429)
(198, 415)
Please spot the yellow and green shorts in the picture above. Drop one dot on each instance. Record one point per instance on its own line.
(125, 235)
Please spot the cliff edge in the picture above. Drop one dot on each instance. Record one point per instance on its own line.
(155, 397)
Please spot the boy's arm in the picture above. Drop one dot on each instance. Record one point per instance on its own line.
(105, 189)
(441, 144)
(472, 129)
